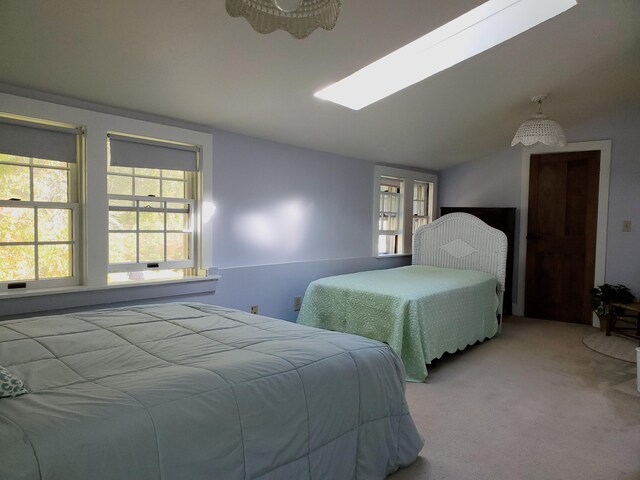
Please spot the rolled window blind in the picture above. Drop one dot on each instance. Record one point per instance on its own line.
(142, 153)
(27, 139)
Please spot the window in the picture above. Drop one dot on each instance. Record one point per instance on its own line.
(390, 217)
(420, 204)
(403, 202)
(69, 183)
(39, 209)
(151, 210)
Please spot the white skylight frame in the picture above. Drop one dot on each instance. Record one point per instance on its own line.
(476, 31)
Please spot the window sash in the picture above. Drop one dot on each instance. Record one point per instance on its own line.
(74, 278)
(390, 212)
(387, 244)
(418, 221)
(187, 183)
(71, 204)
(115, 267)
(72, 177)
(139, 267)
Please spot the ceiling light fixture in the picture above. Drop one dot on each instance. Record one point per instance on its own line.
(474, 32)
(298, 17)
(540, 129)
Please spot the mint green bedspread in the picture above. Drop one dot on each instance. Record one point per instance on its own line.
(420, 311)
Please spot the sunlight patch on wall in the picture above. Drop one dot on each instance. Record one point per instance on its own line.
(208, 210)
(280, 228)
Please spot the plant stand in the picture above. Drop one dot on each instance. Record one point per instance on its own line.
(631, 321)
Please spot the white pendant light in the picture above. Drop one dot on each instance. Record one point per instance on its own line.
(540, 129)
(298, 17)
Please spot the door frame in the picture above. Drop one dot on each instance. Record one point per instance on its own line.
(604, 146)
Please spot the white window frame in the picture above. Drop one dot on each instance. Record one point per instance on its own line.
(74, 172)
(192, 198)
(398, 212)
(92, 221)
(426, 217)
(409, 177)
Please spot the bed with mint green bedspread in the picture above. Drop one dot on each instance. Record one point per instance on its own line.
(420, 311)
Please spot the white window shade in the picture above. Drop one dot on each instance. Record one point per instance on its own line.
(128, 151)
(27, 139)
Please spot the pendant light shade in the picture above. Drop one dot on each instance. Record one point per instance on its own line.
(287, 6)
(298, 17)
(540, 129)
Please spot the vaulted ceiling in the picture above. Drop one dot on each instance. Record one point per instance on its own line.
(188, 60)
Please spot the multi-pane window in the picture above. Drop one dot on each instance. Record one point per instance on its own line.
(404, 201)
(39, 208)
(420, 204)
(151, 219)
(390, 216)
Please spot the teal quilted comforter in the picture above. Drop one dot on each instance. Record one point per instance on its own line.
(191, 391)
(420, 311)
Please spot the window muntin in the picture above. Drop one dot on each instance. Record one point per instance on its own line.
(151, 223)
(38, 221)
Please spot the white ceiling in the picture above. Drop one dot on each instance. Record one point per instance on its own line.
(187, 59)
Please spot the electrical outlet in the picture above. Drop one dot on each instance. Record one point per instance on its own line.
(297, 304)
(626, 225)
(254, 309)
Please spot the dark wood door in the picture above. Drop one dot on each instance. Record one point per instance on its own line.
(561, 235)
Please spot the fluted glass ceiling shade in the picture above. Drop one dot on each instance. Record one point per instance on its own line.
(540, 129)
(298, 17)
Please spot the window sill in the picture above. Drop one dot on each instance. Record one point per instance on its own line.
(394, 255)
(50, 299)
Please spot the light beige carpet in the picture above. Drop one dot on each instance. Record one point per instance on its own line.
(614, 346)
(532, 404)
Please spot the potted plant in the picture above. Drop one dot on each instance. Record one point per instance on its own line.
(605, 294)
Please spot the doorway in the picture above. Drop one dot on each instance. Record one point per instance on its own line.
(561, 235)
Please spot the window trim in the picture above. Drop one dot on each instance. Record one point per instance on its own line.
(409, 176)
(74, 172)
(92, 239)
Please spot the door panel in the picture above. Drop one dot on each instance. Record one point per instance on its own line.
(563, 200)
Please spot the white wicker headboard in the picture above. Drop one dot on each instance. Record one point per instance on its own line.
(462, 241)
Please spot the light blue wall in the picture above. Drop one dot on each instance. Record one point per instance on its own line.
(284, 216)
(495, 181)
(481, 183)
(273, 287)
(278, 203)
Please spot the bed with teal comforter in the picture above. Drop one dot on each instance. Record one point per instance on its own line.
(199, 392)
(420, 311)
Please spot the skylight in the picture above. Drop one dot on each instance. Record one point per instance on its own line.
(480, 29)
